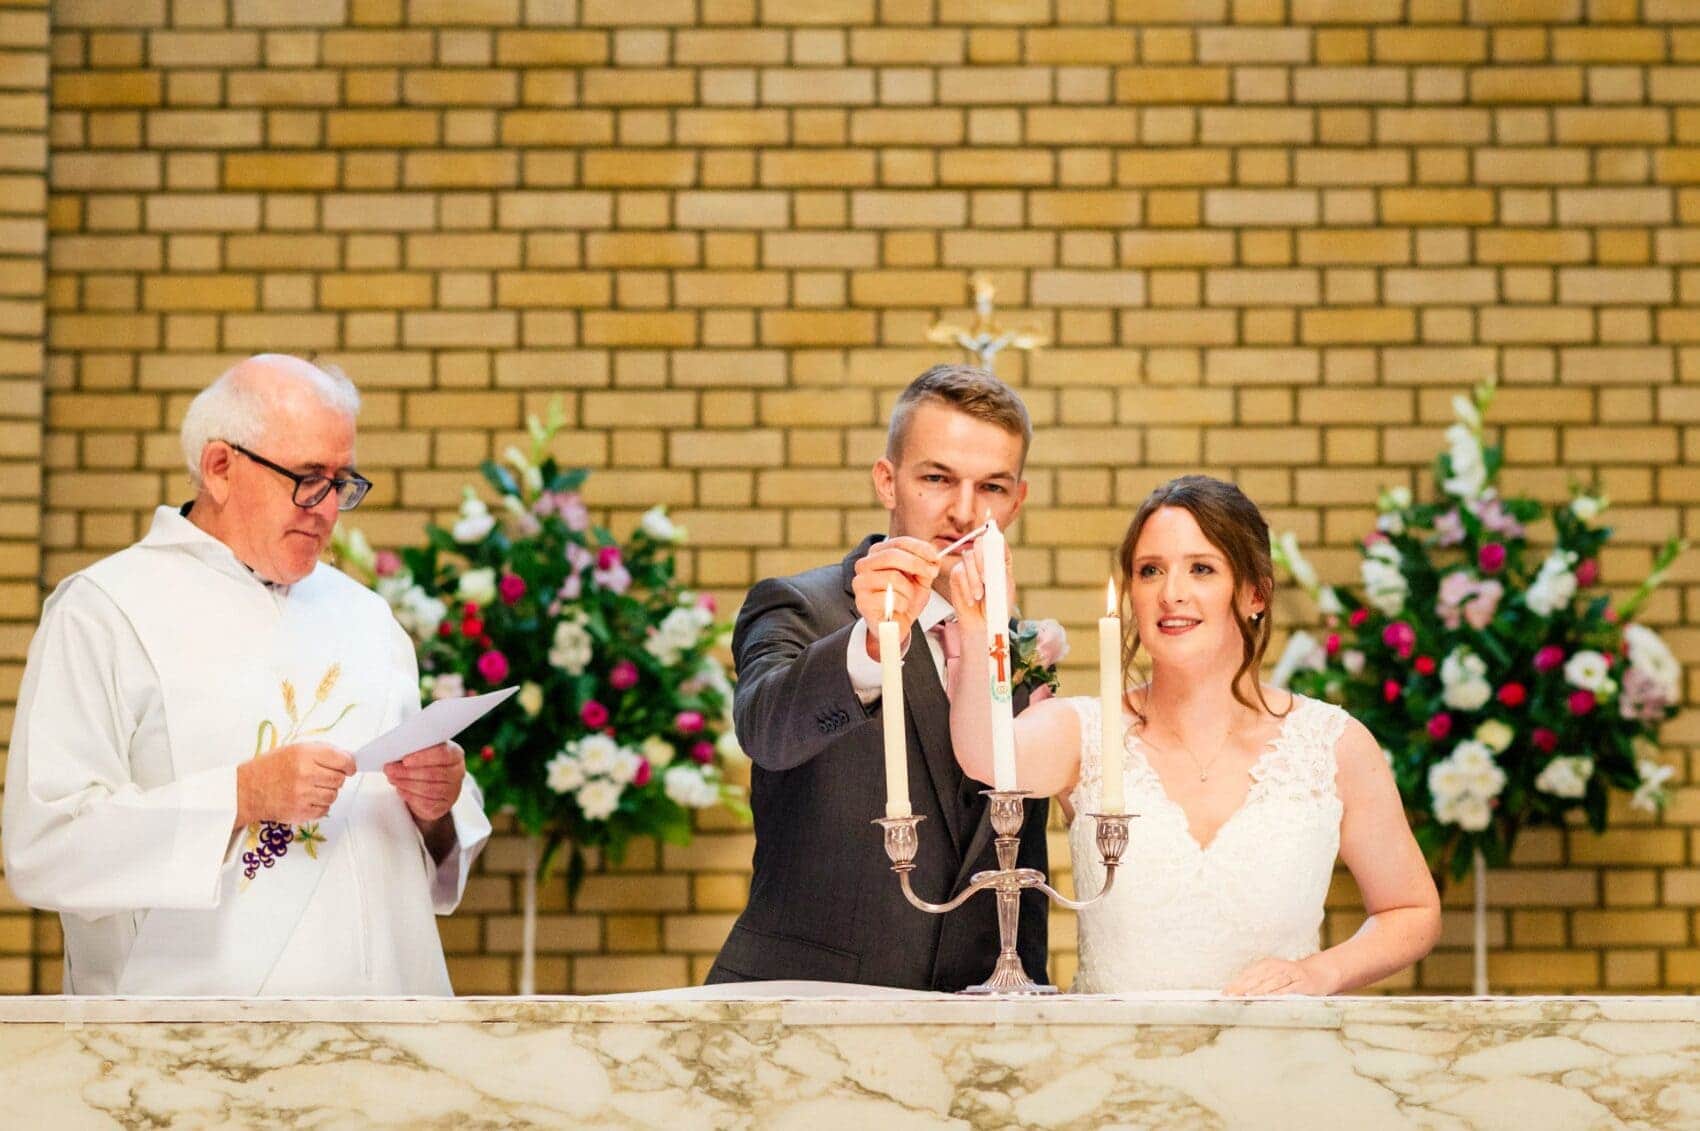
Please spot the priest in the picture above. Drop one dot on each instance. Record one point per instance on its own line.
(180, 787)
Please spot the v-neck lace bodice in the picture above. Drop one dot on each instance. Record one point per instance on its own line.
(1186, 916)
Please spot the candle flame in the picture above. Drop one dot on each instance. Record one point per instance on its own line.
(888, 602)
(1110, 598)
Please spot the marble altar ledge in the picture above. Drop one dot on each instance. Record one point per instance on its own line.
(817, 1057)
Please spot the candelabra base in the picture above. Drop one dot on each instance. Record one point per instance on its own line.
(1009, 977)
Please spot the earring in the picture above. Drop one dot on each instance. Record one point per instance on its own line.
(1257, 618)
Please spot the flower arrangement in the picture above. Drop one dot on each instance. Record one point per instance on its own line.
(1040, 645)
(624, 711)
(1504, 687)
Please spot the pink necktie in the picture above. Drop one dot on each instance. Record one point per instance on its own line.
(950, 643)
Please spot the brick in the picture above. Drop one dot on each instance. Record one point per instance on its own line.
(993, 85)
(556, 127)
(1188, 86)
(1614, 285)
(553, 210)
(816, 328)
(1261, 207)
(1175, 249)
(283, 88)
(107, 89)
(1357, 325)
(1544, 85)
(280, 171)
(908, 209)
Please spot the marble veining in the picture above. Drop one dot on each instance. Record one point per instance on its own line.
(816, 1058)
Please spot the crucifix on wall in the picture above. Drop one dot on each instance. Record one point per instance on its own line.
(985, 338)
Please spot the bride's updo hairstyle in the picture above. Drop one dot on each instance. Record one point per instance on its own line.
(1235, 526)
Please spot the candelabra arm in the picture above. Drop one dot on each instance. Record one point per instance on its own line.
(972, 889)
(1081, 904)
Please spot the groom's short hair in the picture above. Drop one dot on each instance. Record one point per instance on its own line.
(968, 390)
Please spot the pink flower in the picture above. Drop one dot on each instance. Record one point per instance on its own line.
(1373, 537)
(1581, 702)
(616, 580)
(573, 512)
(493, 666)
(1424, 665)
(1545, 741)
(1449, 528)
(688, 722)
(511, 587)
(1549, 658)
(1358, 618)
(703, 752)
(472, 627)
(644, 773)
(1439, 726)
(593, 714)
(707, 603)
(1400, 637)
(623, 676)
(1332, 644)
(1051, 643)
(1588, 572)
(1466, 598)
(1491, 557)
(1390, 690)
(387, 563)
(1513, 695)
(608, 557)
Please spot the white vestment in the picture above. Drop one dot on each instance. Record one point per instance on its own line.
(155, 673)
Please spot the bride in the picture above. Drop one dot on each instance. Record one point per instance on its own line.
(1243, 793)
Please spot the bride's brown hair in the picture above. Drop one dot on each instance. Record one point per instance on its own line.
(1235, 526)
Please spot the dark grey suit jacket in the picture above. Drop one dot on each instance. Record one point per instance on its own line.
(824, 904)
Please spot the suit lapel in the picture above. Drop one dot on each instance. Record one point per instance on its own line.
(929, 715)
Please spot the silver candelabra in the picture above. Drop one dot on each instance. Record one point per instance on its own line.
(1008, 813)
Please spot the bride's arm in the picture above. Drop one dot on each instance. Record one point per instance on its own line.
(1398, 892)
(1047, 734)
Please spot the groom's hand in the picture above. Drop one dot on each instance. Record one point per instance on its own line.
(909, 566)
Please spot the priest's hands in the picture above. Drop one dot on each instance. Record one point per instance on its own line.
(429, 780)
(291, 784)
(1269, 977)
(909, 566)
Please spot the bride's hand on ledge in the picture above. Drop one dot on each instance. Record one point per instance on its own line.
(1268, 977)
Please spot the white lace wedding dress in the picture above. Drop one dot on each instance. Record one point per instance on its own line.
(1186, 917)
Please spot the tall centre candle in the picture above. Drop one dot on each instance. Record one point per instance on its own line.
(1002, 659)
(891, 710)
(1110, 703)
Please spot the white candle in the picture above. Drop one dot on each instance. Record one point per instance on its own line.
(891, 710)
(1110, 702)
(1000, 656)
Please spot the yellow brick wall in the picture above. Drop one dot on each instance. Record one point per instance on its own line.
(1269, 238)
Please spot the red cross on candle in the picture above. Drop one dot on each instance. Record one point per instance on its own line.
(1000, 653)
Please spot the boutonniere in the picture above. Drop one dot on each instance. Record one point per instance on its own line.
(1040, 645)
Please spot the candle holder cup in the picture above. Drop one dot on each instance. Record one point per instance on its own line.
(1008, 811)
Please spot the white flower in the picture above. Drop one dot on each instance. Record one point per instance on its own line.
(1302, 653)
(1468, 415)
(1553, 586)
(1495, 735)
(1587, 507)
(565, 774)
(1304, 574)
(1651, 794)
(1328, 602)
(1399, 497)
(1353, 661)
(598, 753)
(679, 631)
(1466, 810)
(524, 521)
(1384, 581)
(358, 551)
(598, 798)
(530, 477)
(572, 647)
(1649, 654)
(449, 685)
(625, 768)
(1469, 472)
(728, 747)
(1391, 522)
(1566, 776)
(475, 520)
(657, 751)
(1590, 671)
(530, 699)
(658, 526)
(1462, 676)
(477, 587)
(687, 787)
(1446, 779)
(416, 611)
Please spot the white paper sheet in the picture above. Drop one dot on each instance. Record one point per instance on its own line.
(439, 722)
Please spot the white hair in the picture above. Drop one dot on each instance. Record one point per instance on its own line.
(236, 407)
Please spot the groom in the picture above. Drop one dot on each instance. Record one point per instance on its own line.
(824, 904)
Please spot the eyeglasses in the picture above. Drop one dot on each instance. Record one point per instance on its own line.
(310, 490)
